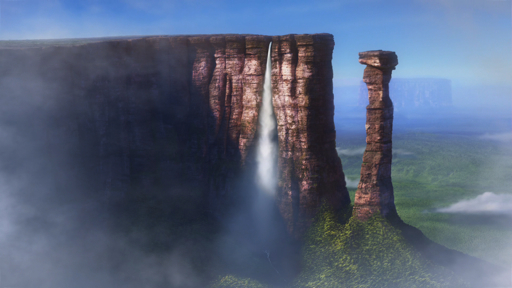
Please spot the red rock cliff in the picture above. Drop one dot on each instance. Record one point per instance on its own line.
(310, 170)
(179, 114)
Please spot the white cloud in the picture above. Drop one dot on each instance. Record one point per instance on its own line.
(502, 137)
(402, 152)
(350, 152)
(351, 183)
(487, 203)
(360, 151)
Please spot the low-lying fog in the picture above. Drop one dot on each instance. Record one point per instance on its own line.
(486, 203)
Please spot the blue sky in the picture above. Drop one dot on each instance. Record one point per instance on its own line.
(467, 41)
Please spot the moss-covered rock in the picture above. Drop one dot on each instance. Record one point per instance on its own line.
(365, 254)
(230, 281)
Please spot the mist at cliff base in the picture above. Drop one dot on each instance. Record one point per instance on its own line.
(266, 156)
(55, 228)
(55, 233)
(59, 230)
(256, 224)
(487, 203)
(255, 220)
(262, 210)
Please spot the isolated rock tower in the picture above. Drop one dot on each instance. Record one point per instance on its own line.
(375, 190)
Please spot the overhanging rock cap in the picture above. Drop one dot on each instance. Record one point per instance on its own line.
(379, 59)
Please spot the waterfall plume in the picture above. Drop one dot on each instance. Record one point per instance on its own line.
(267, 148)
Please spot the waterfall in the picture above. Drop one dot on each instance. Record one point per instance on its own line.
(267, 147)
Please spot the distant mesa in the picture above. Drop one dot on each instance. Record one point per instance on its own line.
(411, 93)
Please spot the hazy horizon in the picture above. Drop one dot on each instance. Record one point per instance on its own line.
(468, 42)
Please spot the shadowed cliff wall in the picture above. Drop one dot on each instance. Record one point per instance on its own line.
(149, 118)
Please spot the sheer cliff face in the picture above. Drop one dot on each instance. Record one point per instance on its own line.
(310, 170)
(159, 116)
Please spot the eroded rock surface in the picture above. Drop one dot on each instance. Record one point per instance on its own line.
(375, 190)
(178, 115)
(310, 170)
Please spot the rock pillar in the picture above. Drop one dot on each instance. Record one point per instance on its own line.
(375, 190)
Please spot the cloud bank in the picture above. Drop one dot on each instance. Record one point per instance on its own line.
(502, 137)
(350, 152)
(487, 203)
(351, 183)
(360, 151)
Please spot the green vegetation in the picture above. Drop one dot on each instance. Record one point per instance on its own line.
(344, 252)
(365, 254)
(432, 171)
(231, 281)
(429, 172)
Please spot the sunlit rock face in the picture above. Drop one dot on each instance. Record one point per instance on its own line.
(310, 171)
(375, 190)
(178, 115)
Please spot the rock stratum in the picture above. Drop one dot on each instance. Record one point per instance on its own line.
(148, 117)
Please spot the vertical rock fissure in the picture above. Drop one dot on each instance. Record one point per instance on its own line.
(294, 181)
(235, 60)
(227, 113)
(241, 91)
(221, 125)
(295, 197)
(203, 56)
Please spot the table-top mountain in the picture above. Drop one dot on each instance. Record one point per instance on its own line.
(149, 117)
